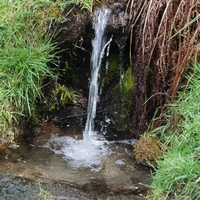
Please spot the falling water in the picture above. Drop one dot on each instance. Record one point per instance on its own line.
(87, 152)
(99, 44)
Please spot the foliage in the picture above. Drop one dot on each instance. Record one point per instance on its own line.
(178, 174)
(62, 95)
(24, 54)
(43, 194)
(83, 3)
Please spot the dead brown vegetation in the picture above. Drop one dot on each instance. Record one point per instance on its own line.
(147, 150)
(159, 56)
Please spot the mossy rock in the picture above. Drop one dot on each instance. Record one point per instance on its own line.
(121, 102)
(112, 71)
(147, 150)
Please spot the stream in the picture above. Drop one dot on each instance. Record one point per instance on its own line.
(32, 170)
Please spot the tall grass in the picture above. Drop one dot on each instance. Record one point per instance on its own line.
(25, 50)
(83, 3)
(178, 174)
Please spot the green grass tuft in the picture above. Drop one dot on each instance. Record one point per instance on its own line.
(178, 174)
(25, 50)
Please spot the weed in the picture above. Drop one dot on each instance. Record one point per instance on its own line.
(43, 193)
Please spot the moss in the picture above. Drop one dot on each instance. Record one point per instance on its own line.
(147, 150)
(128, 80)
(121, 102)
(113, 71)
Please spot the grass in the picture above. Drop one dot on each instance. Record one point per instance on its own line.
(24, 54)
(178, 174)
(43, 194)
(87, 4)
(26, 50)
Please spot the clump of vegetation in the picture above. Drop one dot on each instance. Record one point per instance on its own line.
(24, 55)
(147, 150)
(61, 95)
(43, 194)
(83, 3)
(178, 176)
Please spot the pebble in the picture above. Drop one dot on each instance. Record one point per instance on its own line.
(18, 189)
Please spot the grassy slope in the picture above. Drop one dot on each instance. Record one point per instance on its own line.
(25, 50)
(178, 174)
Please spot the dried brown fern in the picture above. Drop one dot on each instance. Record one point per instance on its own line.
(159, 58)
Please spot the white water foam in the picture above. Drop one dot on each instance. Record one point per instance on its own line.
(79, 153)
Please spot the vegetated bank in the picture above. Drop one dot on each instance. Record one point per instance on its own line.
(27, 54)
(177, 175)
(165, 43)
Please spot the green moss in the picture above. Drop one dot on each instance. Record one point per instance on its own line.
(128, 80)
(121, 102)
(113, 70)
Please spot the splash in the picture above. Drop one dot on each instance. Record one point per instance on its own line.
(79, 153)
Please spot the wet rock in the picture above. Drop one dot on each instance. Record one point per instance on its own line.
(16, 188)
(77, 30)
(118, 108)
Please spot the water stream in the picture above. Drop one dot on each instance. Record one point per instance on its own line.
(101, 16)
(103, 169)
(90, 151)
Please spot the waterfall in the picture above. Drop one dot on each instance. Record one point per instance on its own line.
(88, 152)
(99, 44)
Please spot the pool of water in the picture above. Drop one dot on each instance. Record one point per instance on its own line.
(58, 156)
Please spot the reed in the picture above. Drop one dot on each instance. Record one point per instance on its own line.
(164, 41)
